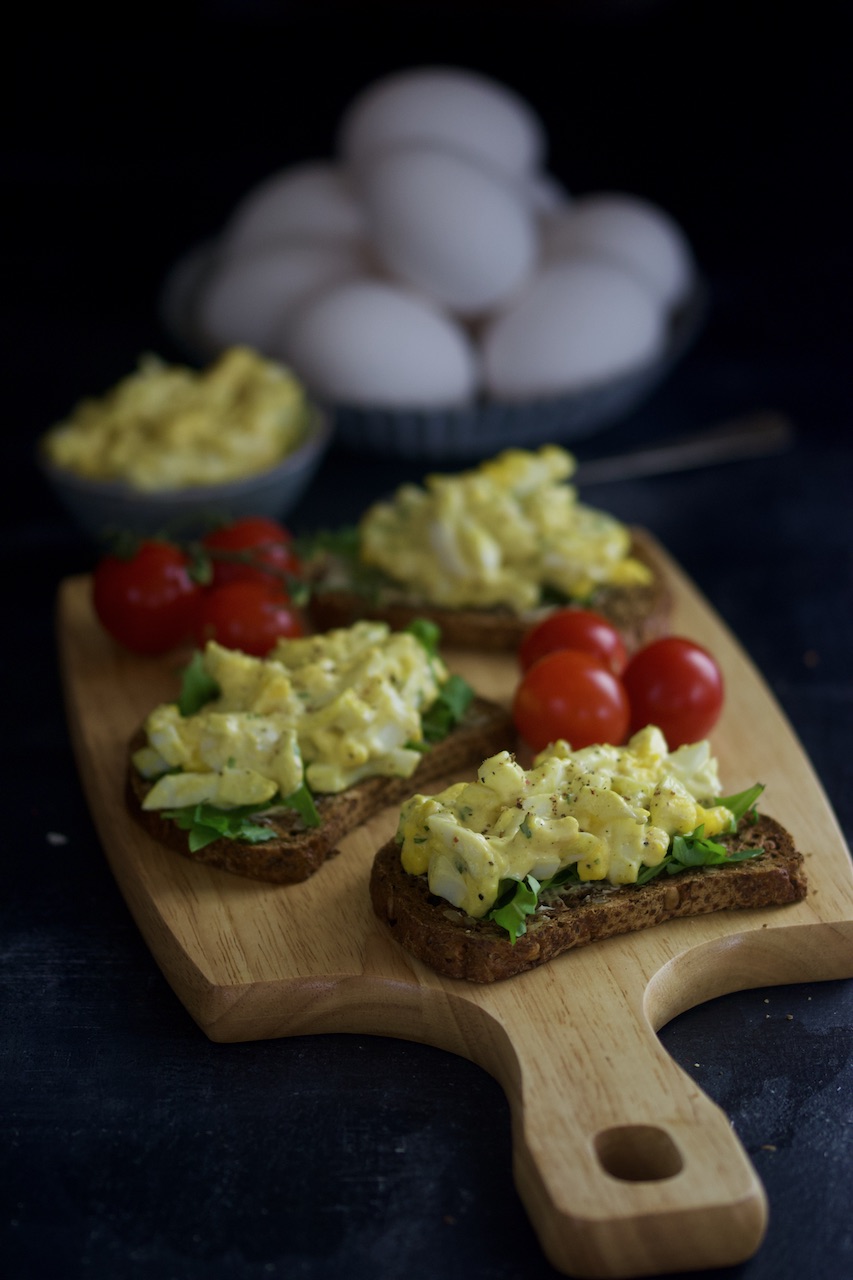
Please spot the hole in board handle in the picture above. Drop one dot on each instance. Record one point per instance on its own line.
(638, 1153)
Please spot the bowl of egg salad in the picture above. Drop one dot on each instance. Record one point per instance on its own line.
(173, 450)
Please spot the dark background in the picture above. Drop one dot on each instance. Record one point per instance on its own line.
(130, 138)
(132, 1146)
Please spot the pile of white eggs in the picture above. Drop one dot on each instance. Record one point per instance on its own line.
(434, 261)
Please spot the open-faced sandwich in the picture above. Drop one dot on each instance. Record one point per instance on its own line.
(485, 553)
(263, 765)
(497, 875)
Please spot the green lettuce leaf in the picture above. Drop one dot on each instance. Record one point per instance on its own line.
(455, 695)
(448, 709)
(342, 542)
(694, 850)
(519, 898)
(303, 802)
(743, 804)
(343, 545)
(197, 687)
(427, 633)
(205, 823)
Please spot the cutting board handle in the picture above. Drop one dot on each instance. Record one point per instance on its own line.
(625, 1166)
(632, 1171)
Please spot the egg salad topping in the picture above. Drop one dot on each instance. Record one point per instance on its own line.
(325, 710)
(168, 427)
(500, 534)
(603, 814)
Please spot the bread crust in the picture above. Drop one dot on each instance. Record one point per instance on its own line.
(640, 613)
(297, 851)
(455, 945)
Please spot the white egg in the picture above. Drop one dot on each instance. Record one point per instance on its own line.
(371, 342)
(545, 194)
(247, 296)
(310, 199)
(447, 106)
(577, 324)
(448, 227)
(627, 230)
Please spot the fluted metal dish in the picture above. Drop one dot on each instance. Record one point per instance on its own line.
(458, 433)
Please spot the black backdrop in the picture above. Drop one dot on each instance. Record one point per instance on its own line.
(132, 1147)
(130, 137)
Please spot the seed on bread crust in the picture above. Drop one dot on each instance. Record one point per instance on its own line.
(457, 946)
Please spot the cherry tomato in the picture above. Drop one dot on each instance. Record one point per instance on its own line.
(570, 694)
(574, 629)
(147, 600)
(677, 685)
(247, 615)
(253, 547)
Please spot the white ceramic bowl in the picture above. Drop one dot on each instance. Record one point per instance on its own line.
(100, 507)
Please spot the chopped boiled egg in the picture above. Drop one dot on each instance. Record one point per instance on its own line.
(498, 535)
(608, 811)
(328, 709)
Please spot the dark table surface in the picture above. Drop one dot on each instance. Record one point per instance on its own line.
(132, 1146)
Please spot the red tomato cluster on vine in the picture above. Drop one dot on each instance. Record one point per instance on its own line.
(579, 683)
(232, 586)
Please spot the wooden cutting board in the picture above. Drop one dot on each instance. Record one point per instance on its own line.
(626, 1168)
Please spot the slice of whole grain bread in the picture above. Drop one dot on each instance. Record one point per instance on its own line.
(458, 946)
(298, 851)
(641, 613)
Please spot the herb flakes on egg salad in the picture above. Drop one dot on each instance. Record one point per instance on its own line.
(603, 814)
(509, 532)
(317, 715)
